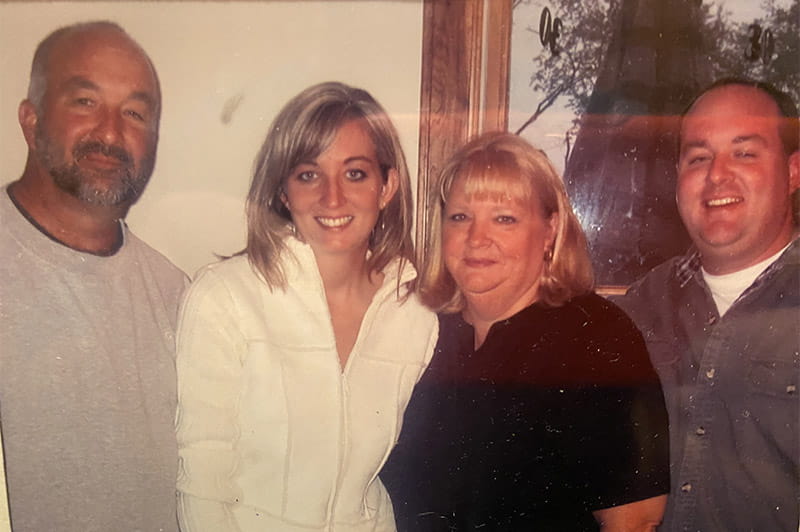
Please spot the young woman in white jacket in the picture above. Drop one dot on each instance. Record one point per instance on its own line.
(297, 357)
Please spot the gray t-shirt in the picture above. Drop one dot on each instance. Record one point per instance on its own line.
(87, 382)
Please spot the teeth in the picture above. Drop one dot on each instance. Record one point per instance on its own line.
(334, 222)
(722, 202)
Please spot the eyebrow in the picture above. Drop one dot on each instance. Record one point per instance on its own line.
(749, 138)
(80, 82)
(693, 144)
(741, 139)
(349, 160)
(356, 158)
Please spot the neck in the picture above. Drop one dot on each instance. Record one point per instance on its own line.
(481, 328)
(66, 219)
(484, 310)
(723, 265)
(344, 273)
(482, 319)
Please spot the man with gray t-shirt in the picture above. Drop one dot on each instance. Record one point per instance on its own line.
(87, 310)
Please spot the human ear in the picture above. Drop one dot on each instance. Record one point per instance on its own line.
(389, 188)
(27, 121)
(794, 171)
(552, 229)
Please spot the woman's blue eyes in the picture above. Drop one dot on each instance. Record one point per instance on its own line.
(351, 175)
(306, 176)
(356, 174)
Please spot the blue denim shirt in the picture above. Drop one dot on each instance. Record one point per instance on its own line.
(731, 386)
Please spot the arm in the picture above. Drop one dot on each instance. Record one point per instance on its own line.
(637, 516)
(631, 462)
(209, 369)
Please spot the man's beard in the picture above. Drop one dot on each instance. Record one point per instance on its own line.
(116, 186)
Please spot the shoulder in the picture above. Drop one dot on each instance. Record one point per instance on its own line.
(664, 277)
(596, 319)
(151, 254)
(231, 275)
(224, 293)
(655, 294)
(402, 317)
(234, 267)
(401, 270)
(605, 341)
(593, 313)
(155, 263)
(396, 301)
(451, 321)
(456, 337)
(10, 220)
(784, 269)
(6, 207)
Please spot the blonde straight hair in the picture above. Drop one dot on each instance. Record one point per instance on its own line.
(304, 128)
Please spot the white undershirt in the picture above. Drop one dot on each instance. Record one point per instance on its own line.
(725, 289)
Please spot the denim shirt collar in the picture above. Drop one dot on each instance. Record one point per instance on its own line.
(688, 266)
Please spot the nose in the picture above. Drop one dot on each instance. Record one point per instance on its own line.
(478, 234)
(718, 170)
(332, 193)
(109, 127)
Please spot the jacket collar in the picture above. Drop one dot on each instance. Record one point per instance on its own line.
(302, 272)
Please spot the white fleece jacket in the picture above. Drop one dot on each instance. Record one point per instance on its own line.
(272, 434)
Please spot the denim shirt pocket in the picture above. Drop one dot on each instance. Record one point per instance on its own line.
(777, 378)
(771, 406)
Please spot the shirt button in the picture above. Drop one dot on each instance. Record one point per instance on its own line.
(686, 487)
(700, 431)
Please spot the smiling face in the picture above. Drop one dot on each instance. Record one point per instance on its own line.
(734, 179)
(96, 128)
(335, 199)
(494, 248)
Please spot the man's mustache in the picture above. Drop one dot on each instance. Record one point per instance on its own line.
(85, 148)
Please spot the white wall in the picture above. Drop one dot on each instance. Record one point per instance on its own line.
(225, 70)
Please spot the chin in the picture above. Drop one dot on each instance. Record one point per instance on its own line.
(478, 289)
(717, 241)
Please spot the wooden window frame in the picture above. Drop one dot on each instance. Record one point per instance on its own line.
(464, 87)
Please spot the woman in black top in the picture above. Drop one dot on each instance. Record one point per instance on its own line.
(540, 409)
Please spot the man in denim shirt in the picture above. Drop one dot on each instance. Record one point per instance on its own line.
(722, 321)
